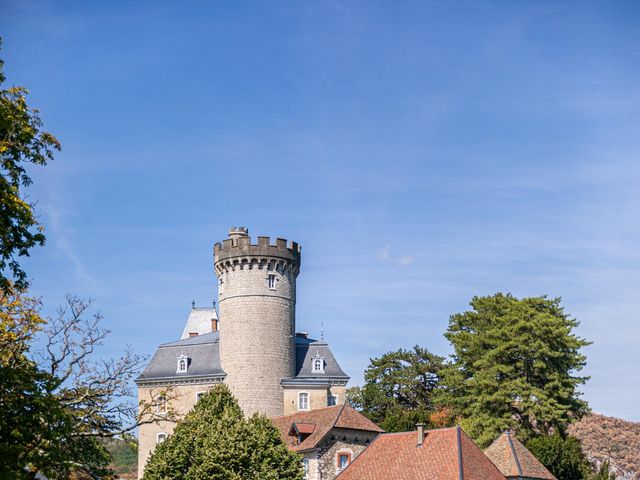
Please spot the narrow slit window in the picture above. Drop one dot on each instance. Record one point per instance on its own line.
(272, 281)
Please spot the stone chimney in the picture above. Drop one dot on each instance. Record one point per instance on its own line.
(420, 432)
(214, 324)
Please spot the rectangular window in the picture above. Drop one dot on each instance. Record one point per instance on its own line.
(305, 467)
(343, 460)
(272, 281)
(332, 400)
(161, 406)
(303, 401)
(199, 395)
(161, 438)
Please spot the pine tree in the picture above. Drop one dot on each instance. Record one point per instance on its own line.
(399, 389)
(215, 442)
(514, 367)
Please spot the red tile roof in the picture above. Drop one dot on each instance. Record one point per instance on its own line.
(514, 460)
(446, 454)
(323, 419)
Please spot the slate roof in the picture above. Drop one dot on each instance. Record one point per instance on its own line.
(306, 349)
(323, 421)
(514, 460)
(446, 454)
(199, 321)
(203, 352)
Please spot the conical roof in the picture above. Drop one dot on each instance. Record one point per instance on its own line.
(515, 461)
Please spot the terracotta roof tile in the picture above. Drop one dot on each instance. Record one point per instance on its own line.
(324, 419)
(514, 460)
(446, 454)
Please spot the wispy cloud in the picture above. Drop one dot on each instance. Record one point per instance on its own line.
(60, 233)
(385, 255)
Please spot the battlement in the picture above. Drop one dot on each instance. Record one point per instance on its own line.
(238, 249)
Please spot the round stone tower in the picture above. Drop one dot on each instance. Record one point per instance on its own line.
(257, 299)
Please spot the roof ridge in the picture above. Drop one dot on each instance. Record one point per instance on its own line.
(513, 452)
(338, 416)
(459, 442)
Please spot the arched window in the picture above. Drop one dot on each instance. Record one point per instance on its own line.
(317, 363)
(183, 364)
(303, 401)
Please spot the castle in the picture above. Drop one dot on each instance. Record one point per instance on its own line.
(253, 347)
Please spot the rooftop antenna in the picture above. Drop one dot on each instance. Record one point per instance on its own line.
(321, 329)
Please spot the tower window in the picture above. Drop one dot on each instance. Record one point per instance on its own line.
(303, 401)
(161, 437)
(199, 395)
(305, 467)
(332, 400)
(271, 280)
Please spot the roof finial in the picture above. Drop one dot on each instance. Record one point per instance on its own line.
(193, 304)
(322, 330)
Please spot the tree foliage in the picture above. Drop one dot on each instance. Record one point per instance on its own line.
(399, 389)
(563, 456)
(56, 403)
(215, 442)
(22, 142)
(514, 367)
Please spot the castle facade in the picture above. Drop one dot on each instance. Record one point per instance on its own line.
(252, 347)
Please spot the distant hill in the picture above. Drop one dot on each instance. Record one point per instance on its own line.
(613, 439)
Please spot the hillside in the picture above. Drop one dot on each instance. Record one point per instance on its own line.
(613, 439)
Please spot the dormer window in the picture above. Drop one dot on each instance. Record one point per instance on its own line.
(317, 365)
(183, 364)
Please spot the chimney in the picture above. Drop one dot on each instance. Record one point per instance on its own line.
(420, 431)
(214, 325)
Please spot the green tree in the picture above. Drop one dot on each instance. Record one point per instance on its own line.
(215, 442)
(562, 456)
(399, 388)
(514, 367)
(22, 142)
(56, 404)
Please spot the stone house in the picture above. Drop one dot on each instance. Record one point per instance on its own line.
(252, 345)
(328, 438)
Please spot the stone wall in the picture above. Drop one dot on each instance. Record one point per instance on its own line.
(341, 441)
(257, 320)
(318, 396)
(182, 399)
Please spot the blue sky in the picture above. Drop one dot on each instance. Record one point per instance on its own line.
(421, 152)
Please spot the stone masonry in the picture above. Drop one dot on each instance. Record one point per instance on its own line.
(257, 298)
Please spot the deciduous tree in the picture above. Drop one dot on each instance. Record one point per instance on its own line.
(58, 402)
(22, 142)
